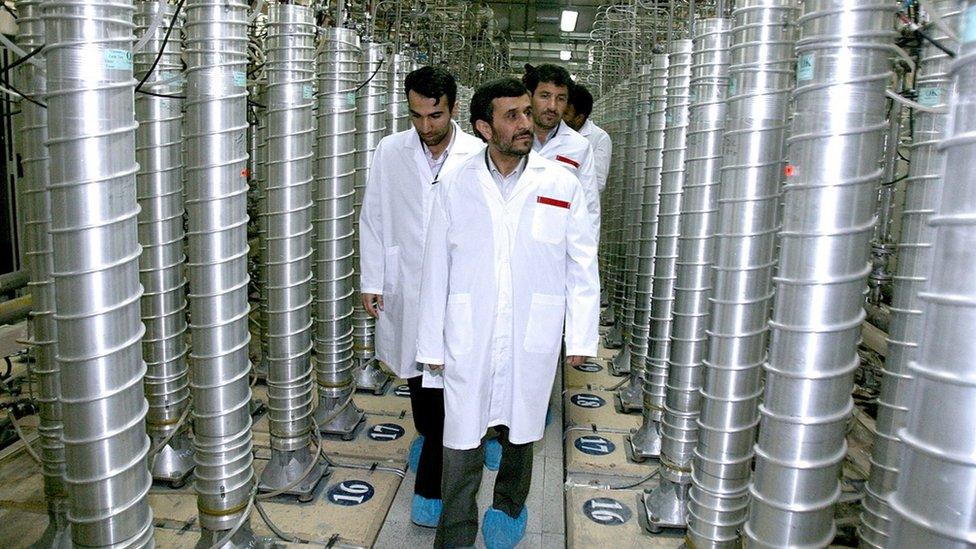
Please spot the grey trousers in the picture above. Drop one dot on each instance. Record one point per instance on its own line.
(461, 479)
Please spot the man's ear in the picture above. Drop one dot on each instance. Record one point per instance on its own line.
(483, 128)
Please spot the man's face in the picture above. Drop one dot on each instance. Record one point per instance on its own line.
(430, 117)
(548, 103)
(510, 131)
(572, 118)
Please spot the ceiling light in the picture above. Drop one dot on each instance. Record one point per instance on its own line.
(565, 55)
(567, 23)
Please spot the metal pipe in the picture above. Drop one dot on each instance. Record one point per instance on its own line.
(915, 253)
(397, 111)
(215, 127)
(667, 504)
(94, 234)
(630, 206)
(646, 443)
(159, 188)
(38, 259)
(934, 500)
(844, 59)
(653, 97)
(370, 128)
(338, 73)
(290, 134)
(760, 80)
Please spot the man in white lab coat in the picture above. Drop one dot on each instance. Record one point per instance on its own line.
(549, 86)
(510, 259)
(396, 207)
(577, 116)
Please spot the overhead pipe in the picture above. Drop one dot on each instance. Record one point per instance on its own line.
(760, 81)
(295, 466)
(215, 128)
(646, 442)
(844, 53)
(915, 252)
(935, 503)
(666, 505)
(94, 234)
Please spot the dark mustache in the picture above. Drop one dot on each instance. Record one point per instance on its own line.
(521, 134)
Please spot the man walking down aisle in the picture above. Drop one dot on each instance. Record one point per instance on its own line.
(396, 207)
(510, 257)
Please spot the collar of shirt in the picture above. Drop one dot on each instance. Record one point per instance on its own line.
(435, 164)
(505, 183)
(586, 128)
(537, 145)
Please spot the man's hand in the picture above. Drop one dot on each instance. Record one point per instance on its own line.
(435, 368)
(373, 303)
(575, 360)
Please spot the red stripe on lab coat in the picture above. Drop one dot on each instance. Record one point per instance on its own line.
(567, 160)
(553, 202)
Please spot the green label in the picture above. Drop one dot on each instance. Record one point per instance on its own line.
(929, 97)
(969, 25)
(804, 67)
(240, 79)
(732, 87)
(351, 99)
(307, 91)
(117, 59)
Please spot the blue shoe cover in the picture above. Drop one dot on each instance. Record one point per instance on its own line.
(493, 454)
(413, 459)
(548, 417)
(426, 512)
(502, 531)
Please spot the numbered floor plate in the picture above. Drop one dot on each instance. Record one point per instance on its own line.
(601, 456)
(383, 438)
(592, 375)
(588, 407)
(608, 518)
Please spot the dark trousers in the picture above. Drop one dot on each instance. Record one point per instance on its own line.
(428, 418)
(462, 478)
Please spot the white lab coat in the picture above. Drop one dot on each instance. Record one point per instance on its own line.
(572, 151)
(393, 229)
(500, 279)
(602, 148)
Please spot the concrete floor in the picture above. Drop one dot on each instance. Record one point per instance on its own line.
(546, 527)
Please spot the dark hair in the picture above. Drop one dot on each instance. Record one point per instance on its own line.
(481, 108)
(553, 74)
(432, 82)
(581, 99)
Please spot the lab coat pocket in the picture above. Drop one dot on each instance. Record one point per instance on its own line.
(543, 332)
(458, 324)
(391, 270)
(549, 223)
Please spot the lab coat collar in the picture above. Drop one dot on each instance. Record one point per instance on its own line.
(587, 128)
(534, 166)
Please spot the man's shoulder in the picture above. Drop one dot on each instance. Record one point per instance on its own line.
(468, 143)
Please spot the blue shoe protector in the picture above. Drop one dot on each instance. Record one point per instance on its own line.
(426, 512)
(413, 459)
(493, 454)
(502, 531)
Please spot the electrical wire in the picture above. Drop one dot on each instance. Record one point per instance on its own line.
(162, 48)
(23, 438)
(21, 60)
(11, 90)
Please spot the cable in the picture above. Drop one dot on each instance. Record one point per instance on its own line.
(164, 95)
(21, 60)
(274, 528)
(11, 90)
(653, 474)
(162, 48)
(27, 446)
(370, 79)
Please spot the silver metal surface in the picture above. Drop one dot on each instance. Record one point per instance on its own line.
(935, 502)
(923, 191)
(338, 73)
(215, 127)
(844, 57)
(397, 111)
(159, 144)
(94, 232)
(760, 80)
(370, 128)
(290, 134)
(38, 259)
(653, 99)
(646, 442)
(630, 206)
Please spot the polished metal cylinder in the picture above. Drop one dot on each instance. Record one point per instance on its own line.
(397, 111)
(290, 67)
(922, 194)
(370, 128)
(844, 55)
(94, 231)
(338, 75)
(647, 439)
(159, 152)
(215, 127)
(630, 206)
(760, 80)
(934, 502)
(652, 100)
(38, 259)
(699, 207)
